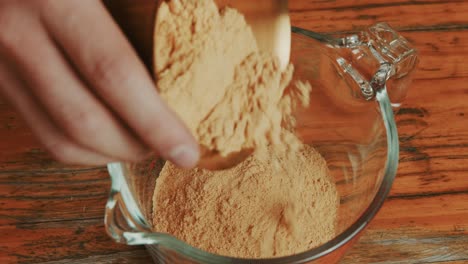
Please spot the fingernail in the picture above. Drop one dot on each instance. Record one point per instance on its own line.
(184, 156)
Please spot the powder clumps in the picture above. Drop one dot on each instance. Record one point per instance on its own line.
(267, 206)
(209, 69)
(280, 201)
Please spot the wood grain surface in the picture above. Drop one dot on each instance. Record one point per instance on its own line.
(53, 213)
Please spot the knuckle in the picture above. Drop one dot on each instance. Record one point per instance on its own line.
(62, 151)
(8, 37)
(109, 70)
(83, 124)
(149, 131)
(15, 20)
(153, 135)
(47, 4)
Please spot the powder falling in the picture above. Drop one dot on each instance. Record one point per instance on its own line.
(208, 67)
(233, 96)
(267, 206)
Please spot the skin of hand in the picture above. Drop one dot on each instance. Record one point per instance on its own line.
(75, 79)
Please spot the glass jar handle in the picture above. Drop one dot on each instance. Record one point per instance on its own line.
(394, 56)
(372, 60)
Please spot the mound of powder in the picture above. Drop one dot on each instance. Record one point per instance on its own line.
(210, 71)
(268, 206)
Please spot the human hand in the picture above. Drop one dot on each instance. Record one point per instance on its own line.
(69, 71)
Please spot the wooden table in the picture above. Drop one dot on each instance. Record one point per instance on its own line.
(53, 213)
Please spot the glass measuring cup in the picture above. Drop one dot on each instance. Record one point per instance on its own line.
(355, 80)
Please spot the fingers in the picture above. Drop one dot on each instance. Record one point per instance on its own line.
(107, 62)
(56, 142)
(68, 102)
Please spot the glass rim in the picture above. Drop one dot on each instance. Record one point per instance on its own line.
(138, 231)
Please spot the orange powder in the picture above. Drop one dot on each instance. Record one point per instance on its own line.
(233, 96)
(268, 206)
(209, 69)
